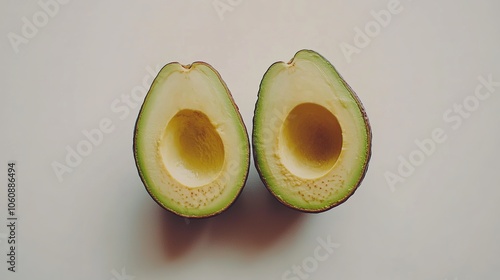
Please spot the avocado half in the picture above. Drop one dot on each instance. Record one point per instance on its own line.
(191, 146)
(311, 135)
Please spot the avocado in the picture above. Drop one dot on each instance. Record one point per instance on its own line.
(191, 146)
(311, 136)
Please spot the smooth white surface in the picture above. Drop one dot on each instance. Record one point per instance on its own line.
(441, 223)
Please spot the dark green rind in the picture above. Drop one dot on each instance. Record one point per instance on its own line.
(257, 161)
(136, 156)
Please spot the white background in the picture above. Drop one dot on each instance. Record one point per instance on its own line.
(99, 222)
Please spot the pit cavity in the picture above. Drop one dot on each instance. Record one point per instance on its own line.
(191, 149)
(310, 141)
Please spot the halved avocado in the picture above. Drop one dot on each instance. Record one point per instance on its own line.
(311, 136)
(191, 146)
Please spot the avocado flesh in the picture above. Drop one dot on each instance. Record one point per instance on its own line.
(311, 136)
(190, 144)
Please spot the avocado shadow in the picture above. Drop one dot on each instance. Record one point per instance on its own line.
(254, 223)
(178, 234)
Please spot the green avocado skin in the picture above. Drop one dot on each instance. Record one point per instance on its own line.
(258, 122)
